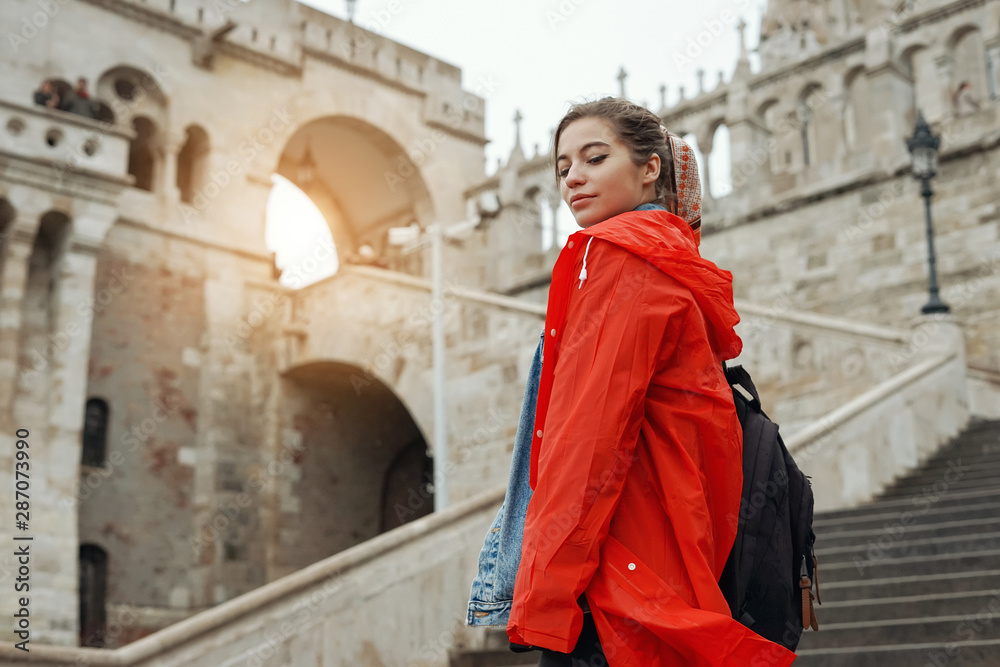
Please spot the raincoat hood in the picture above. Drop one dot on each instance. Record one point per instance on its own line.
(667, 241)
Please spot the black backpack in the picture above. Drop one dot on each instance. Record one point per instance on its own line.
(769, 576)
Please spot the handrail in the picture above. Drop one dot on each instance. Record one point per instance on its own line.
(826, 322)
(982, 373)
(866, 401)
(203, 622)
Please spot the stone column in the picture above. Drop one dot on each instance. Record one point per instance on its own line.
(705, 145)
(890, 92)
(170, 147)
(58, 463)
(13, 279)
(14, 276)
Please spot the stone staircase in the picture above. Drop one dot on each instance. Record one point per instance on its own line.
(911, 579)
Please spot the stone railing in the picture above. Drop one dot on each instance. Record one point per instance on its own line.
(70, 143)
(984, 392)
(858, 449)
(397, 599)
(806, 365)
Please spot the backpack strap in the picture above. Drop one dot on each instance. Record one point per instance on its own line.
(737, 376)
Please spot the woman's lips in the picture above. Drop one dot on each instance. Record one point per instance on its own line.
(577, 203)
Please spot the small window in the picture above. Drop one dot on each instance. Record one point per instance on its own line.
(95, 432)
(93, 590)
(125, 89)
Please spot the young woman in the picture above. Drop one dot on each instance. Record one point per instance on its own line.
(635, 452)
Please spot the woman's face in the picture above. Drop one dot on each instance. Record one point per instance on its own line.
(597, 177)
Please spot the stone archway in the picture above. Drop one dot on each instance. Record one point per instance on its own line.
(360, 463)
(363, 182)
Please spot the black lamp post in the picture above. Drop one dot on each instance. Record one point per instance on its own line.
(923, 146)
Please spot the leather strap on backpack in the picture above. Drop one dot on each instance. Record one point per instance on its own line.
(808, 611)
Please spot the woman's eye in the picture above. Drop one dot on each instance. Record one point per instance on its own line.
(563, 173)
(597, 159)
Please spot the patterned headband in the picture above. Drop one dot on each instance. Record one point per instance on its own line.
(686, 183)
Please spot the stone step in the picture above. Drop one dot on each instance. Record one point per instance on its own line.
(893, 545)
(925, 514)
(975, 653)
(928, 489)
(898, 505)
(943, 480)
(915, 530)
(937, 629)
(971, 581)
(495, 657)
(926, 566)
(939, 604)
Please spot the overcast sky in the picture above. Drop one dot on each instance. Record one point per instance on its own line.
(546, 53)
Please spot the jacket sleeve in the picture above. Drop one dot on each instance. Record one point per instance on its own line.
(616, 330)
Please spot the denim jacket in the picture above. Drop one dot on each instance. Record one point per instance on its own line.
(492, 594)
(493, 588)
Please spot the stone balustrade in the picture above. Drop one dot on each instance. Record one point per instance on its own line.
(68, 142)
(858, 449)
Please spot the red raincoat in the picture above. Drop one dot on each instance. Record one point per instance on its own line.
(636, 457)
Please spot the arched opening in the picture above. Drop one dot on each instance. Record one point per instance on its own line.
(360, 461)
(142, 155)
(854, 115)
(720, 166)
(192, 163)
(39, 304)
(95, 432)
(970, 82)
(298, 236)
(927, 96)
(548, 218)
(103, 112)
(7, 214)
(93, 592)
(411, 465)
(131, 92)
(363, 182)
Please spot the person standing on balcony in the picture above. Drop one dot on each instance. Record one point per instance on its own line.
(46, 96)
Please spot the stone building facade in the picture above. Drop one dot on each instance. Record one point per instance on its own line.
(196, 430)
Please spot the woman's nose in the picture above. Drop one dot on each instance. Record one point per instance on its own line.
(574, 177)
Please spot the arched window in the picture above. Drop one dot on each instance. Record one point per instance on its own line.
(854, 116)
(926, 84)
(95, 432)
(970, 68)
(720, 165)
(192, 163)
(93, 589)
(141, 156)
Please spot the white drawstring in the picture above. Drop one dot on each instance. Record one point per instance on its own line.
(583, 271)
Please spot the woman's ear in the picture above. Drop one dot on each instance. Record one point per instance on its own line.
(652, 170)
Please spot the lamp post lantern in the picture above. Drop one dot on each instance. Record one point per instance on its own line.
(923, 147)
